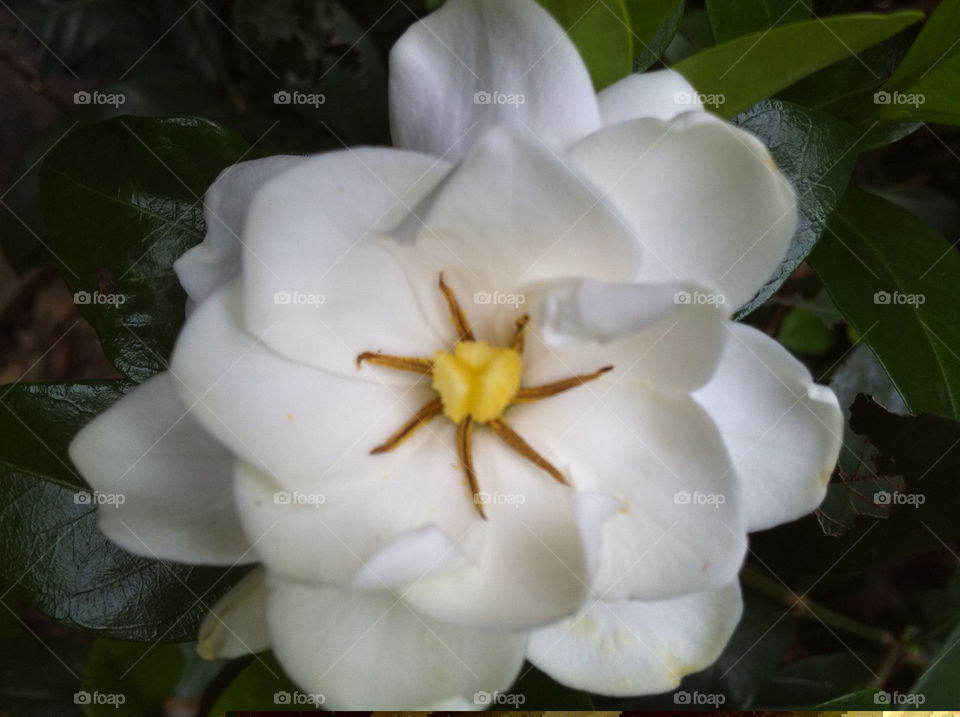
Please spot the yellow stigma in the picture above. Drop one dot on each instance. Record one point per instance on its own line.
(476, 380)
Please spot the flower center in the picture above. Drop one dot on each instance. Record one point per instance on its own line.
(476, 380)
(475, 384)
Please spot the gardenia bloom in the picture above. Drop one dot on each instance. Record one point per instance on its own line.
(478, 398)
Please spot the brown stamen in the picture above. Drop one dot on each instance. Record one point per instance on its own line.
(538, 393)
(518, 336)
(400, 363)
(420, 418)
(513, 439)
(457, 317)
(465, 453)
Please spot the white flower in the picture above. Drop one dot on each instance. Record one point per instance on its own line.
(553, 452)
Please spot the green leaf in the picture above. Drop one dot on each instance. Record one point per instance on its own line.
(817, 153)
(129, 679)
(653, 24)
(121, 201)
(601, 32)
(804, 332)
(53, 550)
(263, 685)
(812, 680)
(860, 700)
(753, 67)
(733, 18)
(938, 687)
(898, 283)
(926, 85)
(843, 87)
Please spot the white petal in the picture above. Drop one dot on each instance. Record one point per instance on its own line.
(511, 53)
(216, 260)
(704, 198)
(320, 283)
(663, 334)
(638, 648)
(680, 526)
(170, 479)
(661, 95)
(299, 424)
(366, 650)
(511, 216)
(533, 564)
(381, 529)
(783, 430)
(237, 624)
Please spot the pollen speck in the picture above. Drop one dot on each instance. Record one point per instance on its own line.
(289, 416)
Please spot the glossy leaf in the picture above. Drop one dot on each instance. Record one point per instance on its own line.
(601, 31)
(926, 85)
(898, 283)
(262, 685)
(135, 678)
(938, 685)
(50, 546)
(817, 153)
(756, 66)
(732, 18)
(121, 201)
(653, 24)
